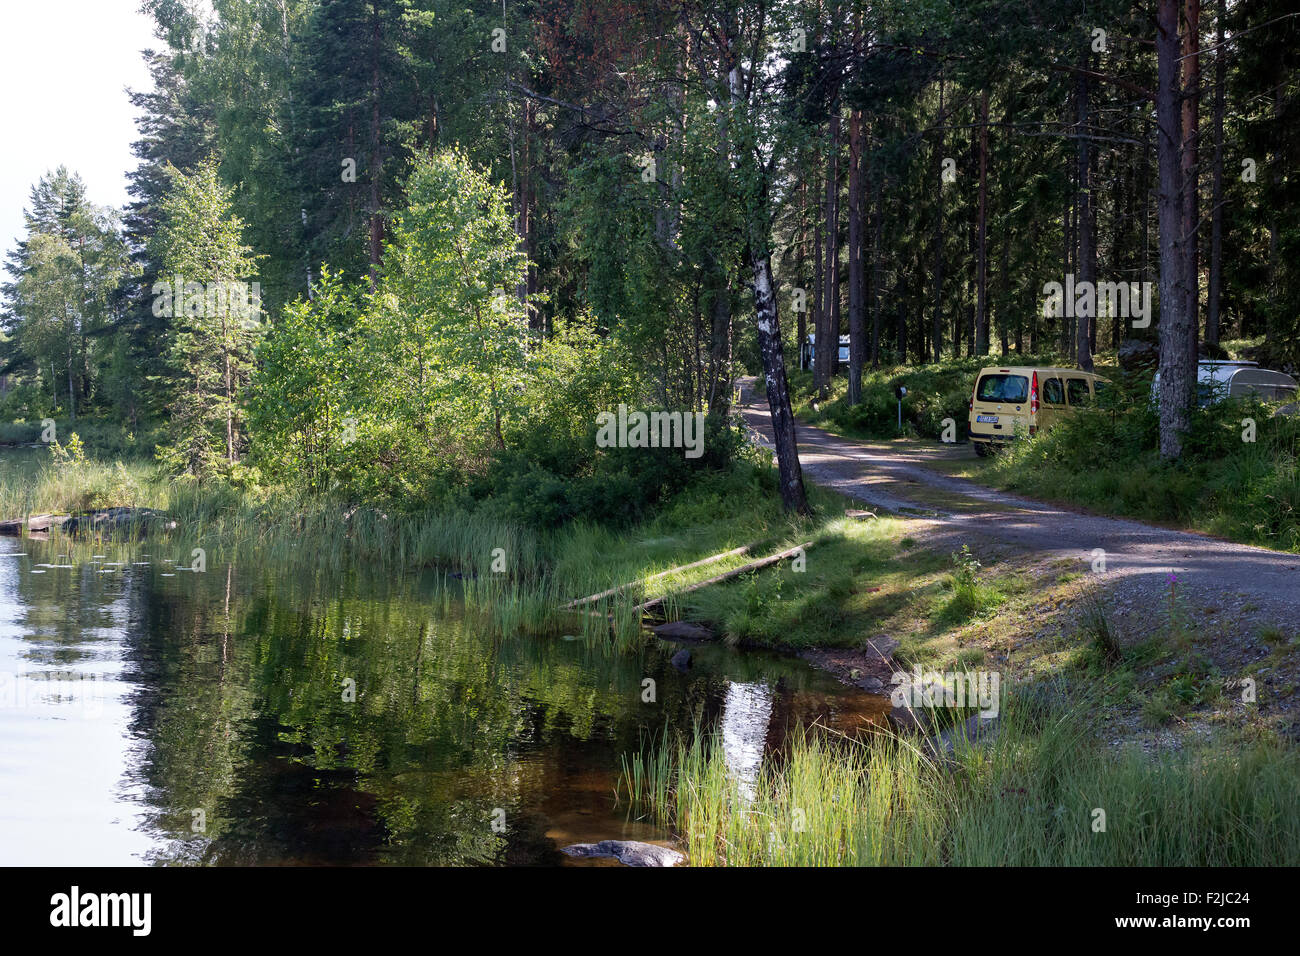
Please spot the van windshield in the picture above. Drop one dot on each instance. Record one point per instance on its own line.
(1003, 388)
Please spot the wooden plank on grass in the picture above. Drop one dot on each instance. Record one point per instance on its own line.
(685, 567)
(727, 575)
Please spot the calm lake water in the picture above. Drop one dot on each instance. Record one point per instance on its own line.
(153, 715)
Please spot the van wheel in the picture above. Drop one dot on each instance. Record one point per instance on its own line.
(981, 449)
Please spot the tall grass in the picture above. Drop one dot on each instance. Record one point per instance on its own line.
(1035, 796)
(517, 578)
(829, 803)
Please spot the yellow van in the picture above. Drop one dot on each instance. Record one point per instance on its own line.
(1024, 399)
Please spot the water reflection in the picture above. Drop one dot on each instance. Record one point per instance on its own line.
(745, 719)
(262, 714)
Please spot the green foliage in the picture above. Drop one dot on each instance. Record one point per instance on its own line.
(71, 456)
(298, 411)
(970, 596)
(448, 335)
(430, 390)
(1103, 644)
(60, 304)
(205, 291)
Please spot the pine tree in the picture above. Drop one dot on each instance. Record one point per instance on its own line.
(208, 290)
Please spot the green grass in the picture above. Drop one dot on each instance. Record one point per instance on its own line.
(1030, 798)
(854, 574)
(518, 577)
(970, 596)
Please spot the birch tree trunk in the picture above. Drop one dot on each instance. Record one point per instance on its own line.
(767, 319)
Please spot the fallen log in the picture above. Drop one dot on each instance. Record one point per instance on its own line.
(685, 567)
(727, 575)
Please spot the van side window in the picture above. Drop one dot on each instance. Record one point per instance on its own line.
(1078, 391)
(1053, 392)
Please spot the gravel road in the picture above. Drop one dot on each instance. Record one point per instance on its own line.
(1247, 584)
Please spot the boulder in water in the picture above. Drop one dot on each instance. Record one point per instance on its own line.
(628, 852)
(683, 631)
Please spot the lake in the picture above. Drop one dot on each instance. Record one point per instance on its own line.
(267, 714)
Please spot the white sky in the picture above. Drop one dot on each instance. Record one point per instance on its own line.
(64, 69)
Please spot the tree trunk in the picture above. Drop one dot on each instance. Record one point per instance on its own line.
(720, 341)
(376, 160)
(778, 394)
(821, 375)
(981, 240)
(767, 319)
(1191, 59)
(936, 332)
(720, 312)
(856, 325)
(801, 315)
(1004, 294)
(1216, 196)
(878, 231)
(828, 333)
(1177, 368)
(1087, 236)
(833, 235)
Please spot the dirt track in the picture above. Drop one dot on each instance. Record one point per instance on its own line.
(1246, 587)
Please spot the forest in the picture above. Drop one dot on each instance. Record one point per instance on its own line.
(462, 232)
(506, 365)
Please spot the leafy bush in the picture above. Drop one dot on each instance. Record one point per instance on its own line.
(970, 596)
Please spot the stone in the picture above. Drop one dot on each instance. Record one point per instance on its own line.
(35, 523)
(907, 719)
(975, 730)
(683, 631)
(872, 685)
(628, 852)
(115, 519)
(883, 645)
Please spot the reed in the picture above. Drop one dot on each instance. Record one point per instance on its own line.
(1030, 798)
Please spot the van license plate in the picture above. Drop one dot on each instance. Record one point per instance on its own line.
(991, 419)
